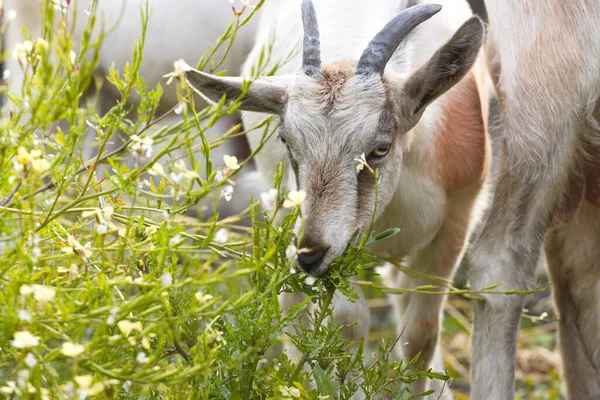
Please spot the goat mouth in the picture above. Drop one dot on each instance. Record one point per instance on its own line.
(322, 269)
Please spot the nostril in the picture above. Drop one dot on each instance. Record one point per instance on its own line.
(310, 260)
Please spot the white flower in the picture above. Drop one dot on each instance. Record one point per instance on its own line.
(26, 290)
(60, 5)
(289, 392)
(11, 387)
(71, 349)
(11, 15)
(127, 326)
(221, 236)
(21, 52)
(227, 192)
(24, 316)
(202, 297)
(86, 388)
(180, 165)
(176, 177)
(157, 169)
(24, 339)
(110, 320)
(268, 200)
(310, 280)
(72, 269)
(6, 75)
(180, 68)
(180, 108)
(141, 147)
(219, 176)
(291, 253)
(44, 293)
(36, 252)
(166, 279)
(30, 360)
(362, 163)
(142, 358)
(231, 162)
(72, 57)
(102, 228)
(37, 164)
(295, 199)
(74, 247)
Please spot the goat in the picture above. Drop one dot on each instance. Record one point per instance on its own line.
(415, 105)
(545, 64)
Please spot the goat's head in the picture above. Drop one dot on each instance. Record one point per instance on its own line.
(331, 115)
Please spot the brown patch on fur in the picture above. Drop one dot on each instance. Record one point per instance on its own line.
(591, 173)
(426, 325)
(462, 147)
(584, 183)
(335, 76)
(573, 197)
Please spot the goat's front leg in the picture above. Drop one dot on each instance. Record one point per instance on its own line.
(418, 316)
(505, 255)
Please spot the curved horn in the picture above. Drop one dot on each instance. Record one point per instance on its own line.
(311, 49)
(380, 49)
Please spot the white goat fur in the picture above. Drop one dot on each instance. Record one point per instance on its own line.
(544, 56)
(434, 209)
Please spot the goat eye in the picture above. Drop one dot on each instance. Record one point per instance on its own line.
(283, 140)
(380, 151)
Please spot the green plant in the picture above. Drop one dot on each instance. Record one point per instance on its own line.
(108, 288)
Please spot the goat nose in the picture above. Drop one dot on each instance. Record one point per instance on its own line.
(310, 260)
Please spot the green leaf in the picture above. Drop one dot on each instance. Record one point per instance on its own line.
(323, 382)
(388, 233)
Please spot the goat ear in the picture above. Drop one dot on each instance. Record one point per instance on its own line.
(447, 66)
(265, 94)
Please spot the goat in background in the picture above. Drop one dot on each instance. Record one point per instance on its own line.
(414, 106)
(170, 25)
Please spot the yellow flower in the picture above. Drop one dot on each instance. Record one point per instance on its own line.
(295, 199)
(127, 326)
(40, 292)
(74, 247)
(289, 392)
(44, 293)
(85, 386)
(157, 169)
(22, 51)
(40, 165)
(231, 162)
(25, 158)
(180, 165)
(24, 339)
(145, 343)
(202, 298)
(71, 349)
(26, 290)
(10, 387)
